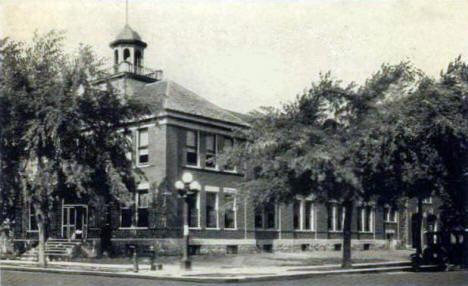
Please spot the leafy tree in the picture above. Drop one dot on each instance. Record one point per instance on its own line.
(70, 133)
(315, 144)
(425, 146)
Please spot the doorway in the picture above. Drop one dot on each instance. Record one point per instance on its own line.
(74, 221)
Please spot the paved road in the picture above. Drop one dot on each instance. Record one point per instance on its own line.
(10, 278)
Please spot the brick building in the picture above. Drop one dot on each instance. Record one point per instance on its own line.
(186, 137)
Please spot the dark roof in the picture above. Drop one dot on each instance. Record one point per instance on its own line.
(179, 99)
(128, 36)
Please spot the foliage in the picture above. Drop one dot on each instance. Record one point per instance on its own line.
(65, 136)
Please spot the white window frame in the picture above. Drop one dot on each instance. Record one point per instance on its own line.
(335, 207)
(428, 200)
(234, 169)
(232, 192)
(215, 190)
(143, 187)
(388, 215)
(302, 214)
(215, 154)
(144, 148)
(197, 134)
(363, 215)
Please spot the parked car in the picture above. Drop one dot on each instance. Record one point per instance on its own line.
(442, 249)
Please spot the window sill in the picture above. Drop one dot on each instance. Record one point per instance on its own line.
(335, 231)
(230, 229)
(304, 230)
(144, 165)
(133, 228)
(32, 231)
(195, 227)
(213, 228)
(212, 170)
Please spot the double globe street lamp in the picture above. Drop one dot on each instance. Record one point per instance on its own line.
(185, 189)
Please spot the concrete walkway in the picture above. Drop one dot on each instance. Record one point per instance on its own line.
(205, 274)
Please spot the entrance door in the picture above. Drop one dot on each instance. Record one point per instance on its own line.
(74, 221)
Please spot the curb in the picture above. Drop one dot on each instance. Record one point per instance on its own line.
(207, 279)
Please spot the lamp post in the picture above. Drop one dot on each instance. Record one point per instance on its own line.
(185, 188)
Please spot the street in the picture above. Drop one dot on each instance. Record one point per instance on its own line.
(10, 278)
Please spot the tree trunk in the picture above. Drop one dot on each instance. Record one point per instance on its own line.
(41, 248)
(346, 263)
(420, 227)
(42, 237)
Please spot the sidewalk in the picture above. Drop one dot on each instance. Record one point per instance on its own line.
(205, 274)
(239, 268)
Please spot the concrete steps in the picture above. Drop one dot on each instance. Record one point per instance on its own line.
(54, 248)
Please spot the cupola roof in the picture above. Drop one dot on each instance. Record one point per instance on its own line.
(128, 36)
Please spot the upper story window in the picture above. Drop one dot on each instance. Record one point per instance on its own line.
(126, 54)
(116, 57)
(336, 214)
(228, 143)
(390, 215)
(128, 154)
(304, 215)
(366, 219)
(210, 141)
(191, 148)
(143, 142)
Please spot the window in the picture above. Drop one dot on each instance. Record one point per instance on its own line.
(270, 217)
(427, 200)
(191, 148)
(32, 219)
(126, 54)
(116, 57)
(211, 209)
(297, 214)
(143, 156)
(228, 143)
(210, 141)
(365, 219)
(128, 154)
(194, 210)
(230, 209)
(142, 204)
(304, 217)
(265, 217)
(137, 59)
(336, 216)
(390, 215)
(259, 218)
(137, 215)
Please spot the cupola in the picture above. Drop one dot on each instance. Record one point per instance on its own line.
(128, 50)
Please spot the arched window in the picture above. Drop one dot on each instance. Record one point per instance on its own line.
(137, 60)
(126, 54)
(116, 57)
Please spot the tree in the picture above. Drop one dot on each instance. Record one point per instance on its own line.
(314, 145)
(425, 150)
(70, 133)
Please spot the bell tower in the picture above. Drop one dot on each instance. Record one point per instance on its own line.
(128, 50)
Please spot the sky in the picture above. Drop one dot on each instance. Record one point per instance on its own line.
(245, 54)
